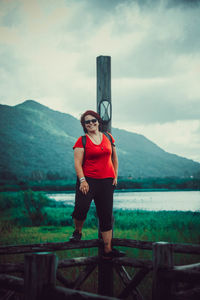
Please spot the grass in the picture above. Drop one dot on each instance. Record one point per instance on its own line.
(56, 226)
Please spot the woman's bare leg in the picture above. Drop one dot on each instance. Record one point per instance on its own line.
(107, 238)
(78, 225)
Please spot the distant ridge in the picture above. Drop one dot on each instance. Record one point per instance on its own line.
(34, 105)
(31, 104)
(36, 142)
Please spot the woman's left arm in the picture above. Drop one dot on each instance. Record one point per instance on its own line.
(115, 164)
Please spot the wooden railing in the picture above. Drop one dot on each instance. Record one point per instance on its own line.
(41, 269)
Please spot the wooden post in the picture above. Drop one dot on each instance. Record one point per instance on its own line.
(162, 259)
(39, 273)
(104, 105)
(104, 109)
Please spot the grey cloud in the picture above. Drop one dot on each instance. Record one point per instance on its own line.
(89, 16)
(183, 3)
(12, 82)
(155, 105)
(8, 59)
(145, 63)
(171, 33)
(156, 56)
(11, 16)
(104, 5)
(149, 113)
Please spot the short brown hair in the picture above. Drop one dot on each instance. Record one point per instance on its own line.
(95, 115)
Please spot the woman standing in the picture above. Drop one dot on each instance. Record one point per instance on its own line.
(96, 166)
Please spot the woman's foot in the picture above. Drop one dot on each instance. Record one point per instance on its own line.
(76, 236)
(113, 254)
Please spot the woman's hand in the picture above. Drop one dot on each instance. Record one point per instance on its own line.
(84, 187)
(115, 181)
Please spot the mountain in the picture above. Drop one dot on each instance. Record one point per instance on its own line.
(36, 142)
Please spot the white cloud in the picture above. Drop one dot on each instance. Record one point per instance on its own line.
(179, 137)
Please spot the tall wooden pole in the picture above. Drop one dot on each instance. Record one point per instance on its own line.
(104, 105)
(104, 109)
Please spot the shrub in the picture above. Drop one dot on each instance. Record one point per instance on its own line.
(34, 204)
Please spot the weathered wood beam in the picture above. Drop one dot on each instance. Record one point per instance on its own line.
(134, 262)
(123, 274)
(12, 283)
(146, 245)
(10, 267)
(193, 294)
(8, 295)
(125, 277)
(63, 280)
(16, 249)
(181, 275)
(132, 243)
(65, 263)
(44, 247)
(83, 276)
(191, 267)
(60, 293)
(134, 282)
(78, 261)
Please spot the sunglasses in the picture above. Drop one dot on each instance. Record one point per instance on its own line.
(92, 120)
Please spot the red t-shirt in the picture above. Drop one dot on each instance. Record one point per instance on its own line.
(98, 158)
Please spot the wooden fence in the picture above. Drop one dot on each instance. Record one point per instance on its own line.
(41, 269)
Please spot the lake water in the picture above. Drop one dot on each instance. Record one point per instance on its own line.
(147, 200)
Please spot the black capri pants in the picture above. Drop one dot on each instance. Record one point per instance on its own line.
(101, 190)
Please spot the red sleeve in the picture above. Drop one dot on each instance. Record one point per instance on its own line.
(78, 143)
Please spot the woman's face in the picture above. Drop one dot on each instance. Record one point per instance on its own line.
(91, 123)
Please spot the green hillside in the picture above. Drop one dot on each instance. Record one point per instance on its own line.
(36, 143)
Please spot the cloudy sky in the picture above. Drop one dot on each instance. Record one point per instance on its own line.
(48, 53)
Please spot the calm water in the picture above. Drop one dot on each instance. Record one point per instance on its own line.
(170, 200)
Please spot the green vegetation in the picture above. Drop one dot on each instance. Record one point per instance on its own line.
(41, 185)
(169, 183)
(30, 217)
(28, 208)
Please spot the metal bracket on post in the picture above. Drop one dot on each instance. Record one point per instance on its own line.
(105, 110)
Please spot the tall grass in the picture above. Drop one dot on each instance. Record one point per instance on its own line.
(28, 209)
(34, 208)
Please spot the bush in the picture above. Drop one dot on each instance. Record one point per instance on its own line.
(34, 204)
(8, 200)
(6, 226)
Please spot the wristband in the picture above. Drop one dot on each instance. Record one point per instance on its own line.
(82, 179)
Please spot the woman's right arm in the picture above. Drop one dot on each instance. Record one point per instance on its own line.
(78, 161)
